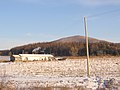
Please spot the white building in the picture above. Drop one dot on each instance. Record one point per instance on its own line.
(32, 57)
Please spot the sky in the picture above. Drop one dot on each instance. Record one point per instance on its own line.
(31, 21)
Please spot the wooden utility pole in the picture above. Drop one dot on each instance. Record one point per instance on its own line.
(87, 49)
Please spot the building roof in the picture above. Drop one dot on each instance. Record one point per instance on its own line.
(36, 55)
(16, 56)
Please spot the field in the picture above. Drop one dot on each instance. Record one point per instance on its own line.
(62, 75)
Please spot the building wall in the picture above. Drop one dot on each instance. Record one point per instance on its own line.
(32, 57)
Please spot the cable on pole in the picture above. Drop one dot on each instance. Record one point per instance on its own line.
(104, 13)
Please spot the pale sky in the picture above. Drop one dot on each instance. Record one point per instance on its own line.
(28, 21)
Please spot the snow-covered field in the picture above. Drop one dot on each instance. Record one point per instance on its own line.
(104, 73)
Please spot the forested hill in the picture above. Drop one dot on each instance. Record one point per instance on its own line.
(70, 46)
(76, 38)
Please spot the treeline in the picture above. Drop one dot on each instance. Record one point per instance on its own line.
(70, 49)
(4, 52)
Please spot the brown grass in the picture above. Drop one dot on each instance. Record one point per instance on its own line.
(84, 57)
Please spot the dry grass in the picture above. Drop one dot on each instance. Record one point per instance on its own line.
(91, 57)
(43, 88)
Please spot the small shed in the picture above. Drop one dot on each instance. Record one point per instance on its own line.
(33, 57)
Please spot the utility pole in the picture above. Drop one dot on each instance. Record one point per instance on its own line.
(87, 49)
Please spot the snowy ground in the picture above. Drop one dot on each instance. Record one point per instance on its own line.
(105, 73)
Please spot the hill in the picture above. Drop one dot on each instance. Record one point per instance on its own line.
(77, 38)
(69, 46)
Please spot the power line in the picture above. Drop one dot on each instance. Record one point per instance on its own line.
(104, 13)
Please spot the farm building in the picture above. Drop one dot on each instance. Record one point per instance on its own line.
(32, 57)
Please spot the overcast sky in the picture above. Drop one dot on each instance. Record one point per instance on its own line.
(28, 21)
